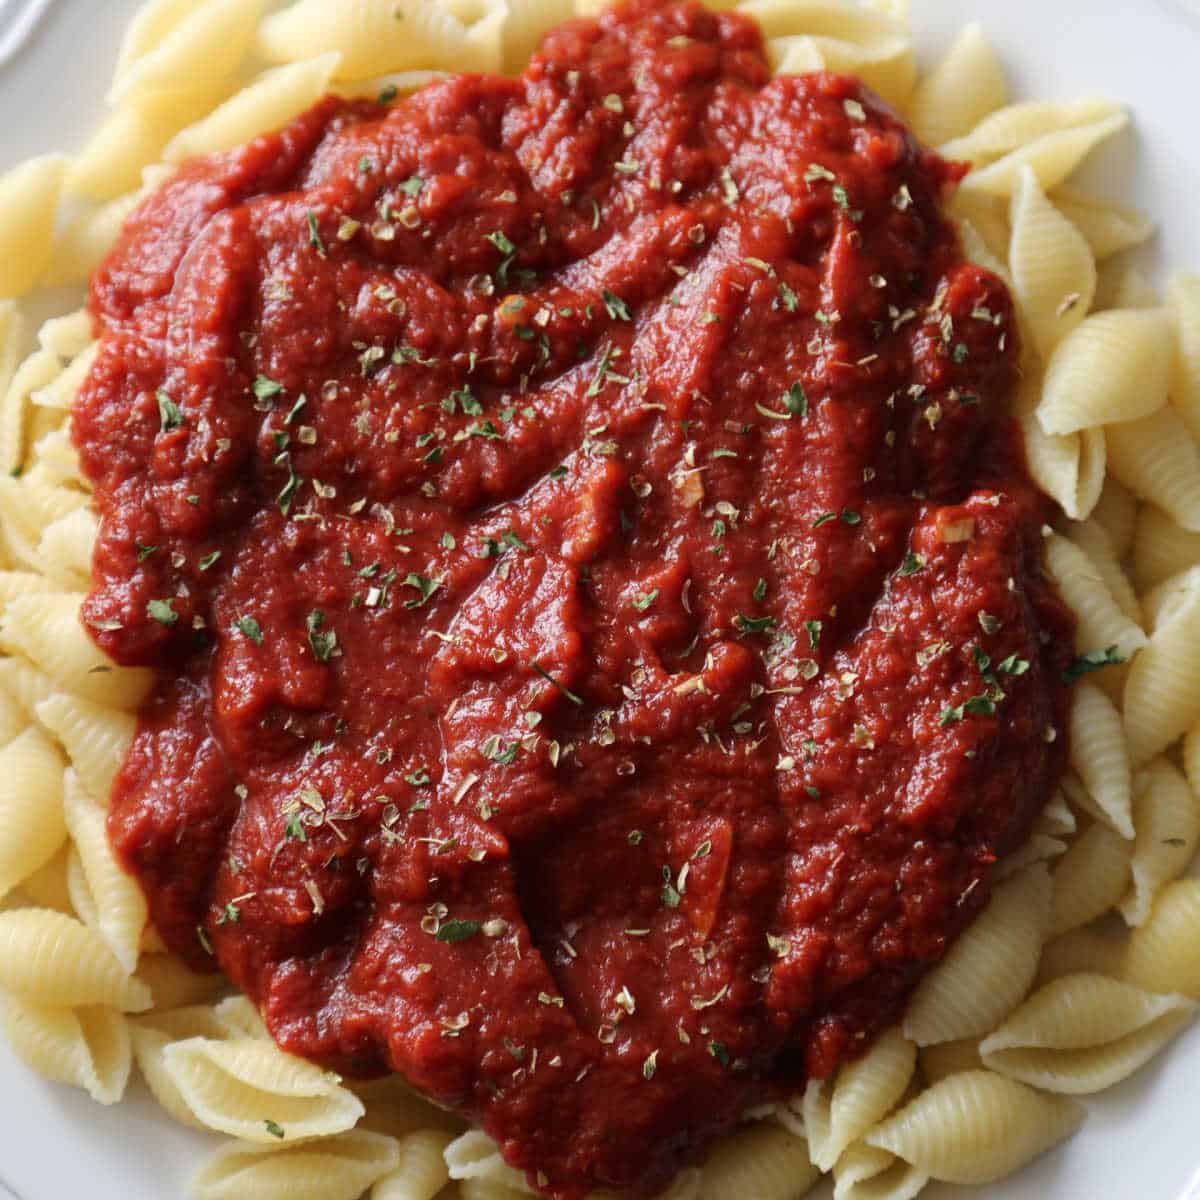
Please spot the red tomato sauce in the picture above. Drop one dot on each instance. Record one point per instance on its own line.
(597, 589)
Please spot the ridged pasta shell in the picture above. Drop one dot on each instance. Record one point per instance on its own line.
(1099, 754)
(1053, 273)
(96, 738)
(47, 886)
(976, 1126)
(172, 984)
(1091, 878)
(50, 959)
(1163, 955)
(840, 1110)
(88, 1048)
(29, 197)
(334, 1168)
(1183, 298)
(238, 1017)
(948, 1058)
(395, 1109)
(1157, 459)
(527, 22)
(762, 1160)
(1109, 228)
(868, 1173)
(422, 1172)
(989, 969)
(66, 548)
(1083, 1033)
(1017, 125)
(47, 631)
(372, 36)
(247, 1088)
(1161, 548)
(1096, 542)
(32, 826)
(473, 1155)
(1084, 951)
(966, 86)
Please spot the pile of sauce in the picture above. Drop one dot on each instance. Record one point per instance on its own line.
(596, 587)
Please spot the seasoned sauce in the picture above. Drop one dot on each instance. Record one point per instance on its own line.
(597, 591)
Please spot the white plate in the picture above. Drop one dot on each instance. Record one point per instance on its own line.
(1141, 1140)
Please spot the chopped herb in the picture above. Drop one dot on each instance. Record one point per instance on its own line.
(988, 623)
(824, 519)
(795, 400)
(425, 586)
(635, 837)
(814, 633)
(412, 185)
(720, 1052)
(265, 388)
(209, 560)
(790, 300)
(230, 915)
(144, 552)
(454, 932)
(644, 601)
(570, 695)
(448, 541)
(1094, 660)
(389, 93)
(650, 1066)
(323, 642)
(559, 472)
(251, 628)
(419, 778)
(288, 492)
(513, 539)
(1013, 665)
(850, 517)
(276, 1131)
(169, 413)
(162, 611)
(670, 897)
(295, 828)
(507, 249)
(617, 308)
(295, 410)
(754, 624)
(912, 564)
(314, 234)
(760, 590)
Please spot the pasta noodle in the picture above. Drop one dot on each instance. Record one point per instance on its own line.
(95, 738)
(32, 827)
(867, 1173)
(1163, 954)
(1157, 460)
(1092, 878)
(1184, 300)
(28, 207)
(1083, 1033)
(1161, 548)
(1093, 539)
(976, 1126)
(1108, 228)
(1116, 513)
(966, 86)
(948, 1058)
(762, 1160)
(988, 970)
(1101, 758)
(422, 1171)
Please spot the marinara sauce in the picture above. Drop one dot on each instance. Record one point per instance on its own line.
(598, 594)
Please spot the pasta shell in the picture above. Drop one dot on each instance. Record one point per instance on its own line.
(120, 902)
(948, 1058)
(1116, 513)
(1101, 758)
(867, 1173)
(1083, 1033)
(53, 960)
(47, 886)
(47, 631)
(1101, 623)
(1183, 299)
(839, 1111)
(32, 827)
(1091, 879)
(149, 1044)
(395, 1109)
(527, 22)
(238, 1017)
(1161, 548)
(966, 86)
(171, 984)
(334, 1168)
(252, 1090)
(1114, 367)
(1093, 539)
(34, 372)
(1163, 954)
(1018, 125)
(976, 1126)
(371, 36)
(66, 548)
(84, 243)
(96, 738)
(1161, 700)
(1157, 460)
(29, 196)
(1109, 228)
(422, 1172)
(1053, 273)
(474, 1155)
(1086, 951)
(1167, 819)
(762, 1160)
(88, 1048)
(989, 969)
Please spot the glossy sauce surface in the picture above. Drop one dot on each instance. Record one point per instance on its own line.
(598, 592)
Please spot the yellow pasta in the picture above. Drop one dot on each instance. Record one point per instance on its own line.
(1101, 758)
(39, 369)
(95, 738)
(1069, 469)
(87, 240)
(422, 1171)
(1157, 460)
(1093, 539)
(1109, 228)
(51, 959)
(762, 1160)
(238, 1017)
(1114, 367)
(1163, 954)
(1053, 273)
(976, 1126)
(32, 826)
(1184, 303)
(334, 1168)
(1017, 125)
(1083, 950)
(266, 104)
(371, 36)
(47, 887)
(252, 1090)
(948, 1058)
(839, 1111)
(29, 197)
(88, 1048)
(966, 86)
(1167, 818)
(1091, 879)
(1101, 621)
(1161, 548)
(527, 21)
(990, 967)
(868, 1173)
(1083, 1033)
(1161, 700)
(47, 631)
(172, 984)
(474, 1155)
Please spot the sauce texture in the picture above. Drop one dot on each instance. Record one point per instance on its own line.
(597, 590)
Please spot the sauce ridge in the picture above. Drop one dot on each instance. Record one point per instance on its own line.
(598, 591)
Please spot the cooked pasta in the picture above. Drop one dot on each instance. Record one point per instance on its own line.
(948, 1058)
(1054, 279)
(252, 1090)
(474, 1155)
(1017, 125)
(1167, 818)
(32, 826)
(1157, 459)
(1069, 469)
(1094, 540)
(87, 1048)
(1161, 548)
(988, 970)
(1091, 878)
(1101, 758)
(28, 207)
(840, 1110)
(422, 1171)
(762, 1160)
(1109, 228)
(966, 86)
(976, 1126)
(1083, 1033)
(333, 1168)
(868, 1173)
(1163, 954)
(94, 737)
(1184, 300)
(1116, 512)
